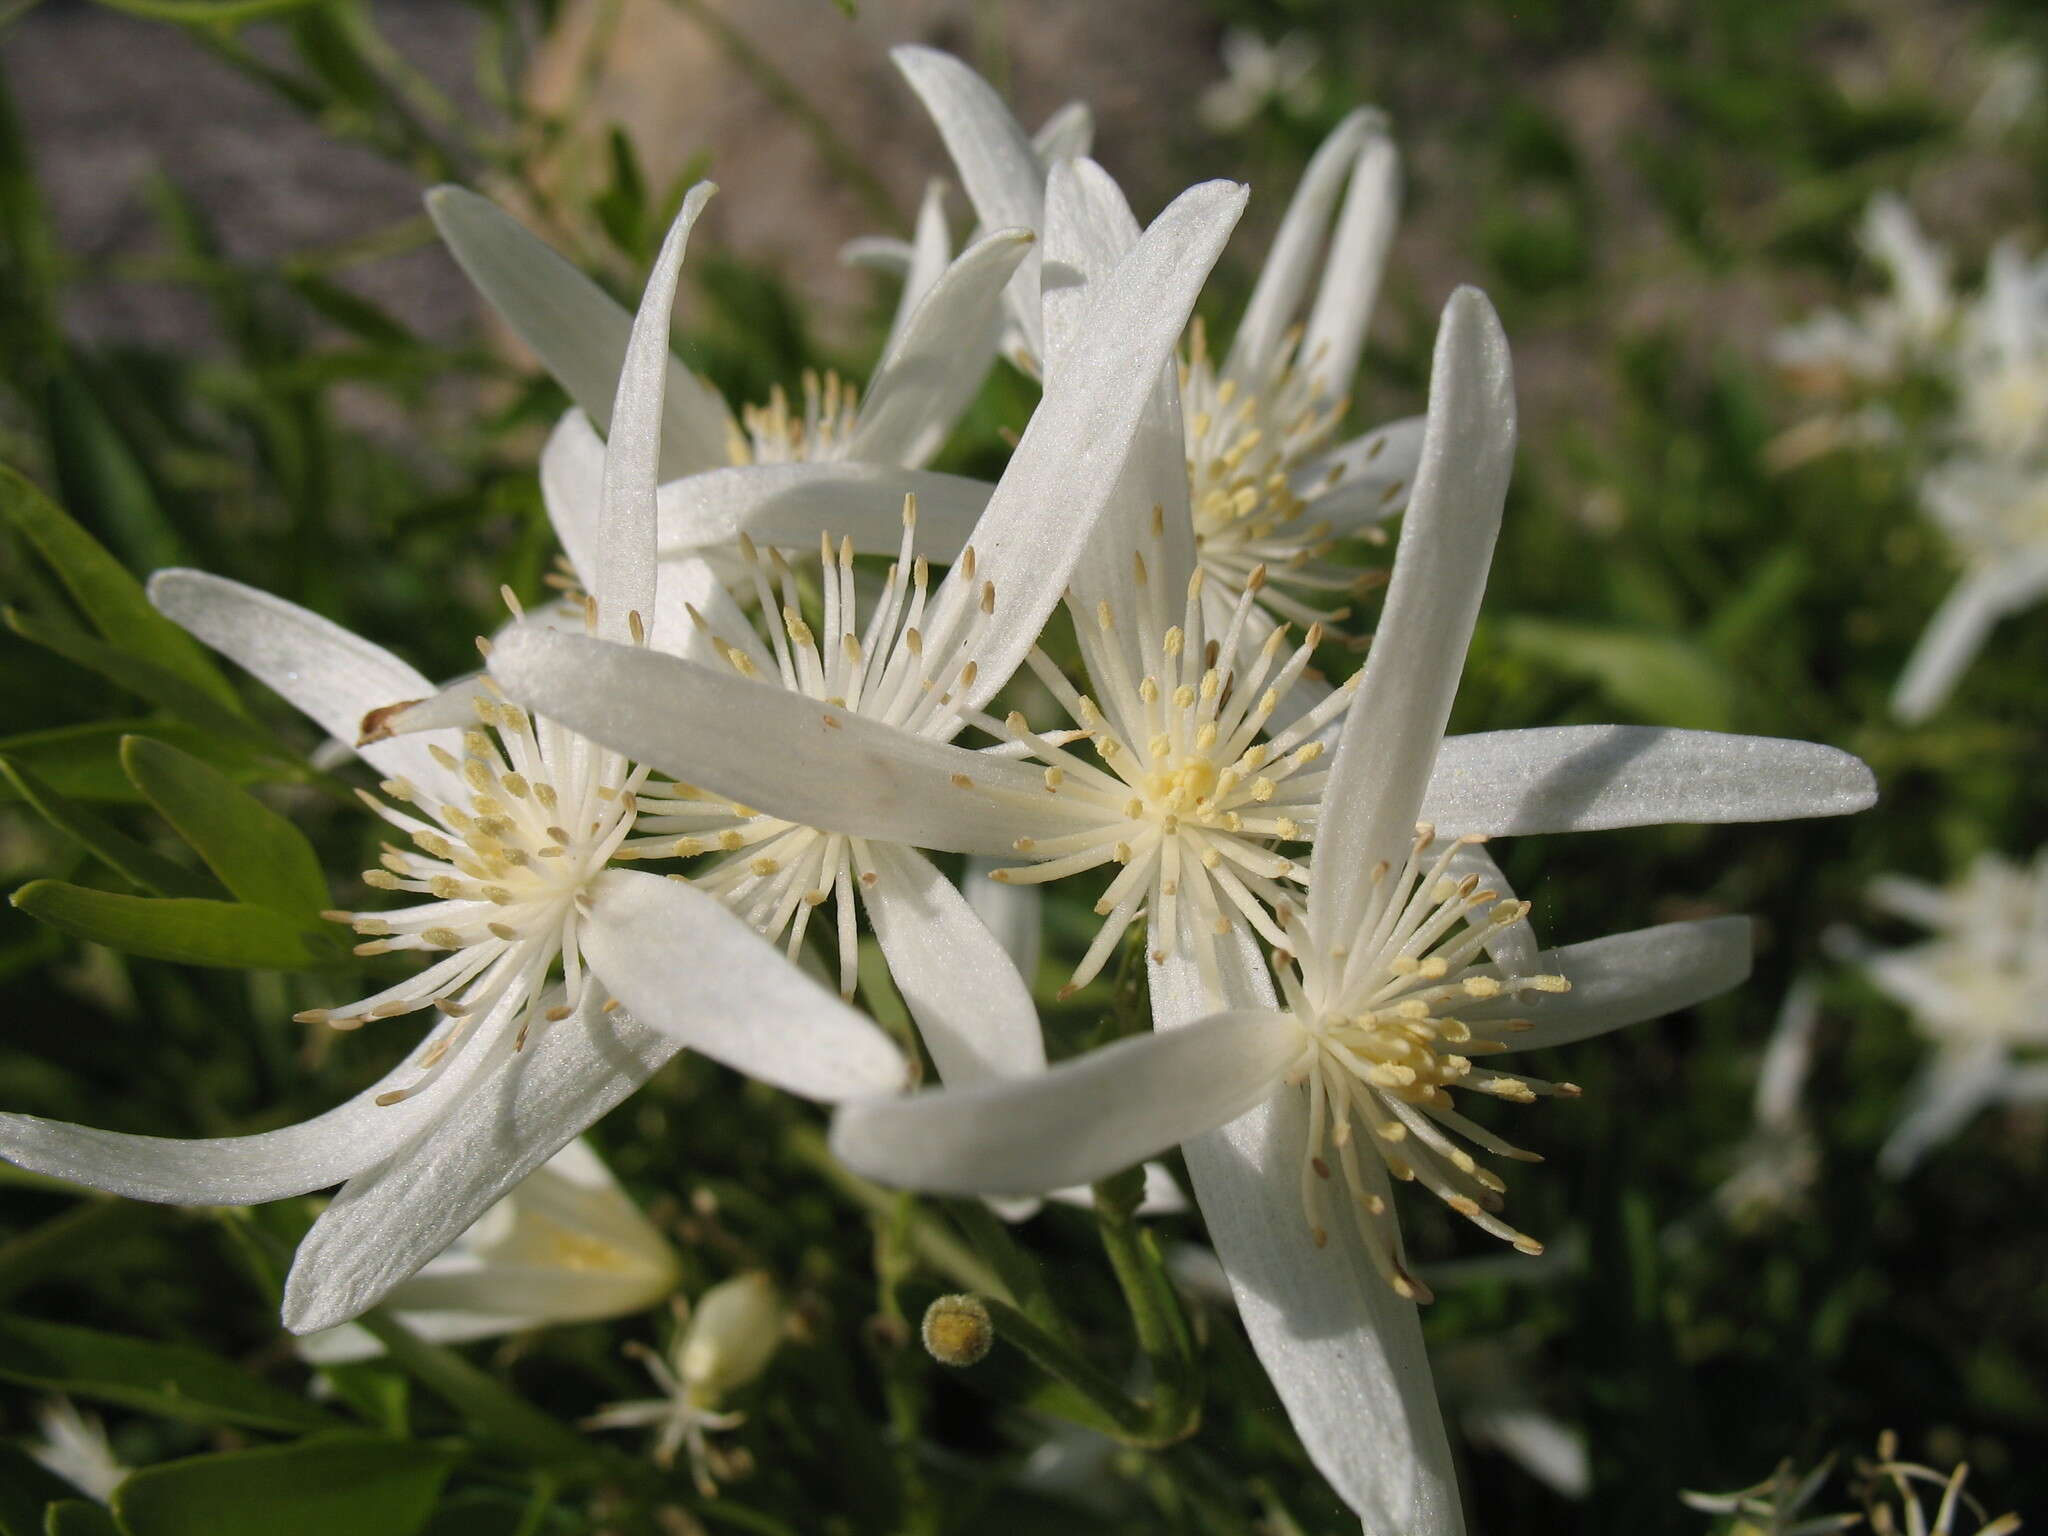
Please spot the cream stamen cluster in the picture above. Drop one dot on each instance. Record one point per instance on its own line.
(1387, 1037)
(1185, 798)
(503, 862)
(1245, 441)
(776, 434)
(904, 669)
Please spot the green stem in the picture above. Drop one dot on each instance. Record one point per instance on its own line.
(902, 1370)
(48, 1248)
(1174, 1410)
(1133, 1421)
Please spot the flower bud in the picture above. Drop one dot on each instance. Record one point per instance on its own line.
(958, 1330)
(731, 1336)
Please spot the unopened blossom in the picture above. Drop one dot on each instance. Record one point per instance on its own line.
(900, 679)
(1256, 73)
(1268, 483)
(1974, 992)
(530, 944)
(1409, 971)
(567, 1245)
(732, 1334)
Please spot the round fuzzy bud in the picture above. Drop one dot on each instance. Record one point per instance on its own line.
(958, 1330)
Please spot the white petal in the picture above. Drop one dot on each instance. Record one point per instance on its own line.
(1954, 636)
(321, 669)
(391, 1219)
(931, 372)
(572, 488)
(1088, 229)
(1067, 135)
(772, 749)
(685, 965)
(1365, 481)
(2025, 1084)
(1788, 1056)
(1078, 1121)
(996, 162)
(574, 327)
(1283, 280)
(1344, 1352)
(785, 505)
(1627, 977)
(973, 1011)
(924, 258)
(1069, 463)
(1351, 277)
(623, 582)
(1391, 734)
(1015, 914)
(1582, 778)
(1950, 1090)
(1914, 900)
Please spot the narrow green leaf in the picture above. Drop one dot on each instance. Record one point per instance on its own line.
(351, 311)
(169, 1379)
(78, 1238)
(111, 598)
(84, 761)
(79, 1517)
(191, 703)
(96, 467)
(194, 932)
(330, 1485)
(129, 859)
(258, 855)
(207, 12)
(1662, 679)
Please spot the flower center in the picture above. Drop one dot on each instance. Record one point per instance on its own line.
(777, 434)
(1390, 1027)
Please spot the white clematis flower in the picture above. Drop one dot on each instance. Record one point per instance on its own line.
(512, 838)
(895, 689)
(1974, 990)
(1294, 1110)
(73, 1445)
(1266, 485)
(1887, 338)
(565, 1246)
(1257, 72)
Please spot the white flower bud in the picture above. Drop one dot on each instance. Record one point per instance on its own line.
(731, 1336)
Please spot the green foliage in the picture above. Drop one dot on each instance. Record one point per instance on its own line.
(325, 1485)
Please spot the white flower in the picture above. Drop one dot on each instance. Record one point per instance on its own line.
(903, 683)
(1264, 484)
(1778, 1163)
(1256, 72)
(511, 838)
(1974, 990)
(565, 1246)
(1888, 337)
(731, 1336)
(74, 1447)
(1772, 1507)
(2000, 366)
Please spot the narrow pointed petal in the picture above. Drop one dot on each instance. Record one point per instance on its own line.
(328, 674)
(1957, 631)
(1015, 914)
(1351, 277)
(1584, 778)
(1948, 1093)
(574, 327)
(1070, 462)
(686, 966)
(1067, 135)
(772, 749)
(1078, 1121)
(388, 1221)
(925, 257)
(997, 163)
(572, 489)
(1276, 298)
(931, 372)
(1383, 759)
(784, 505)
(623, 582)
(973, 1011)
(243, 1170)
(1628, 977)
(1089, 228)
(1362, 483)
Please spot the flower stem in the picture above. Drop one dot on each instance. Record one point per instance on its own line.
(1174, 1408)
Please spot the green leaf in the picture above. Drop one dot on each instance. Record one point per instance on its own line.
(351, 311)
(96, 468)
(127, 858)
(1660, 679)
(259, 856)
(191, 703)
(330, 1485)
(79, 1517)
(194, 932)
(84, 761)
(111, 598)
(207, 12)
(168, 1379)
(27, 1488)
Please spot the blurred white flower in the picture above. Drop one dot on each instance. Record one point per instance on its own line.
(1773, 1507)
(732, 1334)
(2001, 360)
(2015, 85)
(1257, 72)
(1974, 991)
(565, 1246)
(73, 1445)
(1779, 1161)
(1887, 337)
(1892, 1492)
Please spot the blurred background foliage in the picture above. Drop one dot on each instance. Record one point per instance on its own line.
(230, 342)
